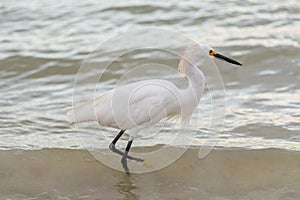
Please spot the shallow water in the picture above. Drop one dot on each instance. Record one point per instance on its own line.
(224, 174)
(44, 43)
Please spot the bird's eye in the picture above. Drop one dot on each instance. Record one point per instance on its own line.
(210, 52)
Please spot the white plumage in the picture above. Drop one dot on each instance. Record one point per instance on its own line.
(138, 105)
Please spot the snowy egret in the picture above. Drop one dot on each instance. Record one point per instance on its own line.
(135, 106)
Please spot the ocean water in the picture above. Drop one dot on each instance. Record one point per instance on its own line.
(43, 45)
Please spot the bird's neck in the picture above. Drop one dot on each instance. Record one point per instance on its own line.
(191, 95)
(196, 82)
(195, 77)
(191, 72)
(193, 57)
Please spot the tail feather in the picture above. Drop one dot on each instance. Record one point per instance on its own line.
(85, 111)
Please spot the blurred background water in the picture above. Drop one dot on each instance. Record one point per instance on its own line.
(43, 44)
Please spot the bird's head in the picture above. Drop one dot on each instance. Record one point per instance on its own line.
(198, 54)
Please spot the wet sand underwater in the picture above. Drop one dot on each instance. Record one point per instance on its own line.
(223, 174)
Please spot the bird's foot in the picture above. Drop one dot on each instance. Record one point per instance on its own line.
(113, 148)
(135, 159)
(124, 162)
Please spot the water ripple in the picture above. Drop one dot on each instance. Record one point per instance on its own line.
(44, 43)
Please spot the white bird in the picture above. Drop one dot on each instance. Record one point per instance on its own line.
(135, 106)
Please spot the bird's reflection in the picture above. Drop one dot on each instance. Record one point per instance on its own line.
(126, 187)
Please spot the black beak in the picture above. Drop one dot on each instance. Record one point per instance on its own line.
(217, 55)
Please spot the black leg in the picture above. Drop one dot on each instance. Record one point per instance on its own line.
(125, 156)
(113, 143)
(113, 148)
